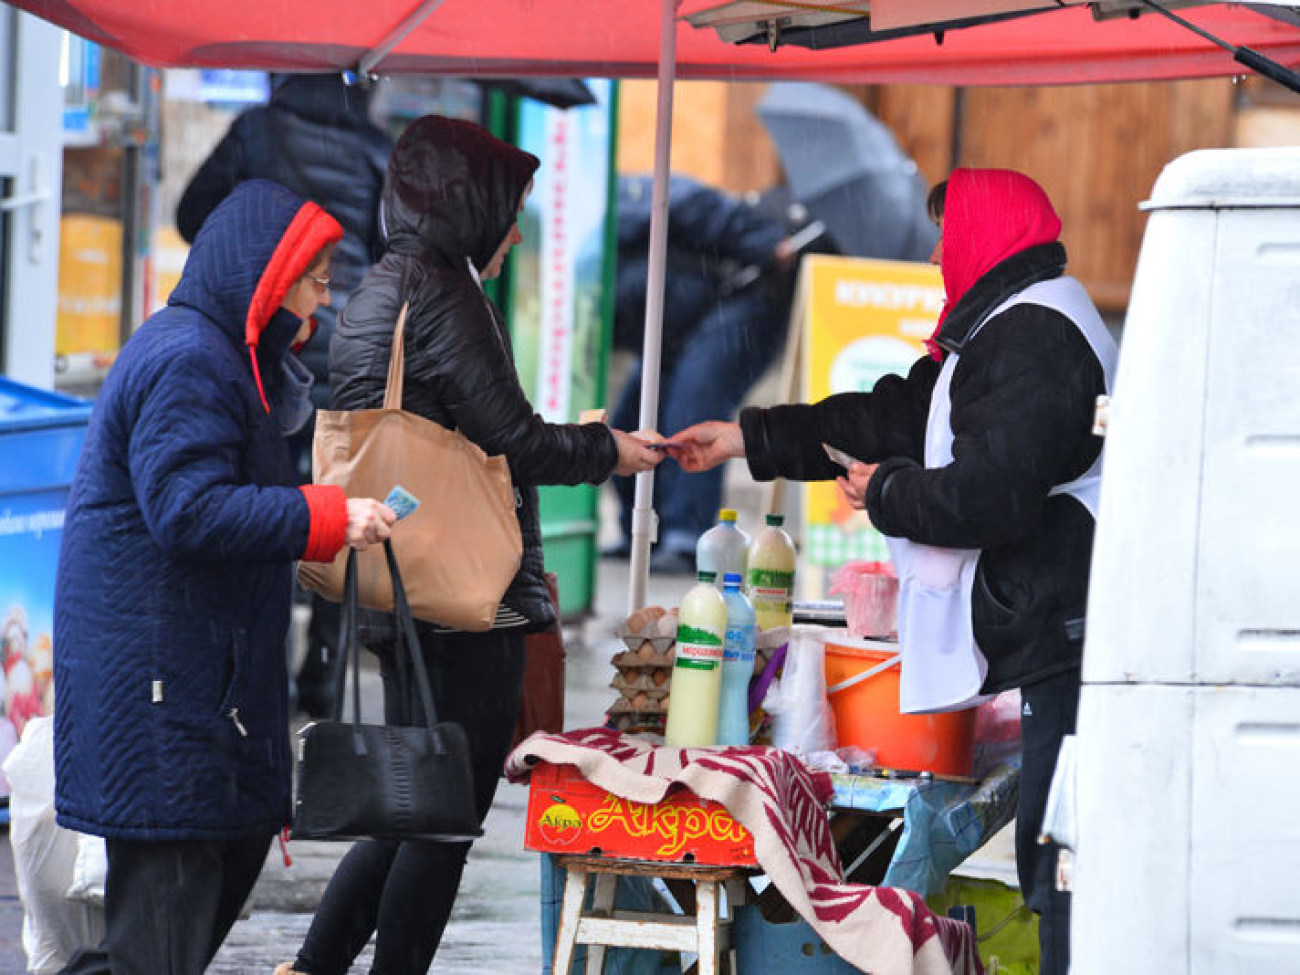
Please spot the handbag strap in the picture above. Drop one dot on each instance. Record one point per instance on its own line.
(350, 646)
(407, 648)
(406, 634)
(397, 363)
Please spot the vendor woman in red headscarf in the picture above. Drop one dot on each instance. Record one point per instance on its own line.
(981, 469)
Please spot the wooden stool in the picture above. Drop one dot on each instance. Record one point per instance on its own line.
(707, 934)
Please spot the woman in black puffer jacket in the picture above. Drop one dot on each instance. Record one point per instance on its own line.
(452, 195)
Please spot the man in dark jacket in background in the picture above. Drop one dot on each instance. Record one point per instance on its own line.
(315, 137)
(726, 304)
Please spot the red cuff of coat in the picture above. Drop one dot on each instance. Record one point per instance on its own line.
(328, 506)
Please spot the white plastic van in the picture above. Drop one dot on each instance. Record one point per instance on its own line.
(1187, 775)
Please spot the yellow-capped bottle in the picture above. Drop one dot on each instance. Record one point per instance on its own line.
(723, 548)
(770, 574)
(697, 671)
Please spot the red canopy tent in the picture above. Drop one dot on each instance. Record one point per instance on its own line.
(620, 38)
(638, 38)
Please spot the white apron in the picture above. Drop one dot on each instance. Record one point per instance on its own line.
(943, 668)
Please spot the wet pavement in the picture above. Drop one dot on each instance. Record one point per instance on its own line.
(495, 927)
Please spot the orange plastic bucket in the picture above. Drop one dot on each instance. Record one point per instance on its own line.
(862, 688)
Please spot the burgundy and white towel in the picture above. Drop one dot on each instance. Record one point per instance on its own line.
(881, 930)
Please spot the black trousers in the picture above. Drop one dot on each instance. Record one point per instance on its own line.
(403, 892)
(1048, 711)
(169, 905)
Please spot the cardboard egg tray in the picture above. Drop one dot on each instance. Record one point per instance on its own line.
(640, 702)
(653, 625)
(643, 670)
(647, 656)
(644, 692)
(653, 682)
(630, 723)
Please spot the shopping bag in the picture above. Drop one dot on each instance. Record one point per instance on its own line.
(541, 708)
(400, 781)
(460, 548)
(47, 858)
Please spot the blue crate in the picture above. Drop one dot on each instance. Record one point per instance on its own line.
(791, 948)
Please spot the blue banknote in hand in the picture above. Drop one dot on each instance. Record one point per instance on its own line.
(402, 501)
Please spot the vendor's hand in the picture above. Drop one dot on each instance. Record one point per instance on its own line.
(706, 445)
(633, 454)
(853, 485)
(369, 522)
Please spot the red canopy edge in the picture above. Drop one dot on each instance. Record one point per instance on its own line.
(586, 38)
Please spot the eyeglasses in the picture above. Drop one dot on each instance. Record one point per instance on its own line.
(321, 282)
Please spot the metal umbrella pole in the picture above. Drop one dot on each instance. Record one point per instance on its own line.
(644, 520)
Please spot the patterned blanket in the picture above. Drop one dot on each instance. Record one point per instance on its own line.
(881, 930)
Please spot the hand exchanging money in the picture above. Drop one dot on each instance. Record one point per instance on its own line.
(706, 445)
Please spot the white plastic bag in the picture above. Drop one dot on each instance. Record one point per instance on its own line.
(89, 870)
(802, 721)
(45, 858)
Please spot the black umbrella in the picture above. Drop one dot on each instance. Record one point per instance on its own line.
(559, 92)
(846, 167)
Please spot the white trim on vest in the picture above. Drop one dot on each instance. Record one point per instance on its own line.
(1067, 296)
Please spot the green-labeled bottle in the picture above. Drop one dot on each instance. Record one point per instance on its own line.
(770, 575)
(697, 672)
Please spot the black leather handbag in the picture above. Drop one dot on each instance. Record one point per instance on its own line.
(396, 782)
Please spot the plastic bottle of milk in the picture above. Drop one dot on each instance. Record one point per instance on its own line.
(737, 664)
(723, 548)
(697, 672)
(771, 575)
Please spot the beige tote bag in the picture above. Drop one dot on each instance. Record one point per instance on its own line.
(460, 548)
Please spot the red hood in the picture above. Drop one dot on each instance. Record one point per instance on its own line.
(989, 215)
(308, 233)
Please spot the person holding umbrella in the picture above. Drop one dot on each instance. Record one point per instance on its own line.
(844, 166)
(730, 280)
(982, 469)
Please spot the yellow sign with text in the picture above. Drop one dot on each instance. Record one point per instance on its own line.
(859, 320)
(671, 826)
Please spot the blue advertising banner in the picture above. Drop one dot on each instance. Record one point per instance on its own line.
(41, 434)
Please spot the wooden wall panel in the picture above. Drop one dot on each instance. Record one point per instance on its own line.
(921, 118)
(1097, 149)
(1202, 115)
(717, 138)
(752, 162)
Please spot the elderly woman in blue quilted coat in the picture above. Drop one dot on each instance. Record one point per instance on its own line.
(174, 582)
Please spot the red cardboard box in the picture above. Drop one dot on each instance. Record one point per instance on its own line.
(567, 814)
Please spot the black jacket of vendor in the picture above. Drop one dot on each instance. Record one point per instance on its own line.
(1023, 395)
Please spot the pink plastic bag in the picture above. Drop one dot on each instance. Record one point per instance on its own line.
(870, 591)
